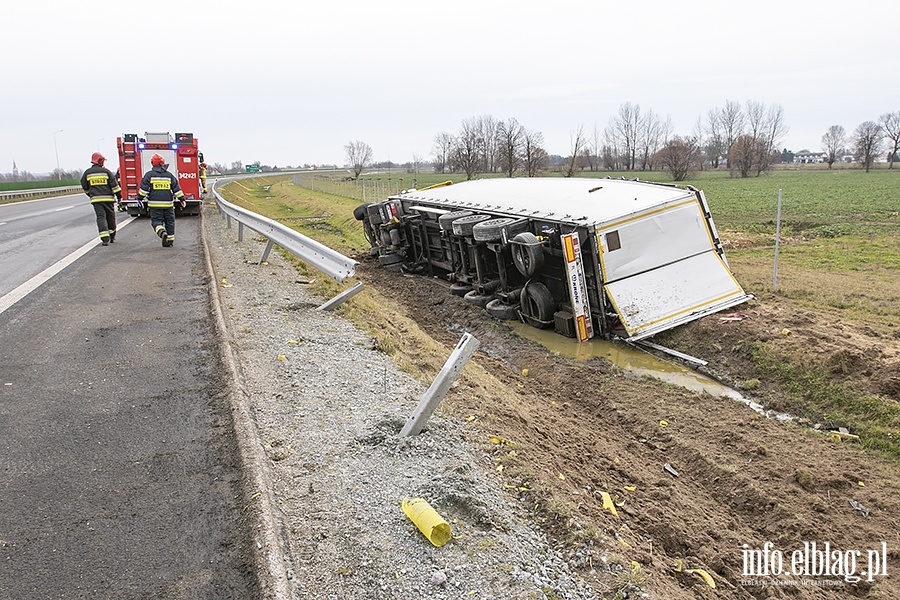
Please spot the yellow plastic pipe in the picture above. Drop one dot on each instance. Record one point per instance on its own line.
(430, 523)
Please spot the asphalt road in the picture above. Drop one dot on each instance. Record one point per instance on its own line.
(119, 475)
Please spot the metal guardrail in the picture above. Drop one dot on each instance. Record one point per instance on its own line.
(328, 261)
(38, 193)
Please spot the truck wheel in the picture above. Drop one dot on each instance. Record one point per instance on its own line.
(477, 299)
(527, 253)
(537, 305)
(464, 225)
(446, 219)
(360, 212)
(490, 230)
(389, 259)
(499, 310)
(460, 289)
(493, 230)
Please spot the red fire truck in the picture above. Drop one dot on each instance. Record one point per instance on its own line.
(181, 155)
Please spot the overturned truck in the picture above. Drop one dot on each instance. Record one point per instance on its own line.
(610, 257)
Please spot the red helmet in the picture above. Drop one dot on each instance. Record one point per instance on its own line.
(157, 160)
(97, 158)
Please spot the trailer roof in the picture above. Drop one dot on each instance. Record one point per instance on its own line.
(580, 201)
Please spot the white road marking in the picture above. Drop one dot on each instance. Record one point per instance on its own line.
(48, 273)
(63, 208)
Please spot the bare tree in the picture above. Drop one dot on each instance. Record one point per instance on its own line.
(467, 154)
(510, 138)
(487, 128)
(624, 128)
(890, 125)
(440, 151)
(732, 120)
(359, 155)
(577, 142)
(595, 148)
(741, 156)
(697, 136)
(534, 157)
(833, 142)
(867, 143)
(715, 147)
(680, 157)
(652, 133)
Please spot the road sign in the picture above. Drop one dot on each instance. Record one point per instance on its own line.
(252, 168)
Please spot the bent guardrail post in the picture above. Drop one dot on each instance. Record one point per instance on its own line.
(342, 297)
(318, 255)
(452, 368)
(265, 254)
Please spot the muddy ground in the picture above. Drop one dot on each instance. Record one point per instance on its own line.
(570, 431)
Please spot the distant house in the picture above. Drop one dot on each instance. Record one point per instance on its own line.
(805, 157)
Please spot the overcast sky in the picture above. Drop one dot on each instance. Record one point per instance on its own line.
(293, 82)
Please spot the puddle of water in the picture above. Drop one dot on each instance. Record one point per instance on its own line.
(637, 362)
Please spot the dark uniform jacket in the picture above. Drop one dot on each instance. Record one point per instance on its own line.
(100, 184)
(160, 188)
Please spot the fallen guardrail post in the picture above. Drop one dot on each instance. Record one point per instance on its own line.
(429, 402)
(342, 297)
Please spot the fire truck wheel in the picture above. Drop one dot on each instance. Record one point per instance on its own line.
(464, 225)
(477, 299)
(360, 212)
(446, 219)
(460, 289)
(499, 310)
(537, 305)
(527, 253)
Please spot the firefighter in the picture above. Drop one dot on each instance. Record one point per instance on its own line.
(203, 176)
(161, 190)
(102, 187)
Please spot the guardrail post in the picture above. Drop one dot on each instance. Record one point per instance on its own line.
(342, 297)
(265, 254)
(240, 231)
(452, 368)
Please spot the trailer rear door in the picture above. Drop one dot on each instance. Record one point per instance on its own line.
(661, 268)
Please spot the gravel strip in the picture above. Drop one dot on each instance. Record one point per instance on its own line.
(327, 409)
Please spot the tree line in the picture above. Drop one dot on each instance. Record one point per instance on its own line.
(742, 139)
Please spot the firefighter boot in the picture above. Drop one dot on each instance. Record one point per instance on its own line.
(161, 231)
(112, 237)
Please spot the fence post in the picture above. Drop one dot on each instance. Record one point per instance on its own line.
(777, 240)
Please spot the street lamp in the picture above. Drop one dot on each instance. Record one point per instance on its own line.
(56, 148)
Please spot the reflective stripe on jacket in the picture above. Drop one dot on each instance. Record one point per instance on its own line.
(160, 188)
(100, 184)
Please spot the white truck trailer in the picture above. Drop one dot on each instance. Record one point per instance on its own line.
(611, 257)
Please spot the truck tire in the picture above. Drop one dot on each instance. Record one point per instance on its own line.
(477, 299)
(389, 259)
(446, 219)
(493, 230)
(360, 212)
(538, 305)
(460, 289)
(500, 310)
(527, 254)
(464, 225)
